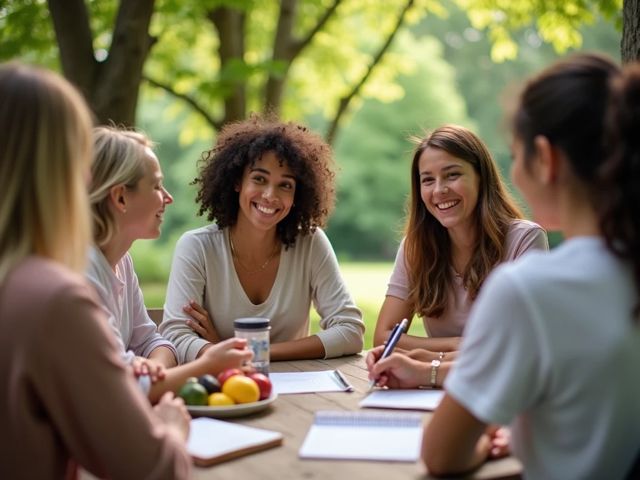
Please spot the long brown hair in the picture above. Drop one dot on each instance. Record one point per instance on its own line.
(427, 247)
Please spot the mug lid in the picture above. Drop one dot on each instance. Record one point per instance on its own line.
(251, 323)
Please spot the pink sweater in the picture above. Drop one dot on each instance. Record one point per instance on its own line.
(66, 395)
(522, 236)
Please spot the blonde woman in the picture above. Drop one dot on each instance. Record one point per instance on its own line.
(67, 398)
(128, 201)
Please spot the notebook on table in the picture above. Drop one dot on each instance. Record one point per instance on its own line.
(214, 441)
(364, 435)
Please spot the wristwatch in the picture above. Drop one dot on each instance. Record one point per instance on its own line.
(434, 372)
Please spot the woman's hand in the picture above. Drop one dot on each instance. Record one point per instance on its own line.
(230, 353)
(397, 370)
(499, 438)
(146, 366)
(201, 323)
(172, 412)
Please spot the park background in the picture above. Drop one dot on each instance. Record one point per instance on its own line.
(370, 75)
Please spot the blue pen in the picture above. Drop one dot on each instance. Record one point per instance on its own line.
(394, 337)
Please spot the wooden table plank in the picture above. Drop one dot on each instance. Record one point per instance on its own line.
(292, 415)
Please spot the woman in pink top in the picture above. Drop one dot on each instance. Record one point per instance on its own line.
(462, 223)
(66, 398)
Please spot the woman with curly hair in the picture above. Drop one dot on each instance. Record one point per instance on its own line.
(269, 187)
(461, 224)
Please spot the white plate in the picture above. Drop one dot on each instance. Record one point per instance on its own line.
(226, 411)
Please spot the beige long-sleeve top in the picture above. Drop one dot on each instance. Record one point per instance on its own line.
(67, 397)
(203, 271)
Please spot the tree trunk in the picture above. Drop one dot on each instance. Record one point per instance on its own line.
(230, 25)
(281, 53)
(110, 87)
(630, 45)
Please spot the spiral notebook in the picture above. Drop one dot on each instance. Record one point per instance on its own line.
(381, 436)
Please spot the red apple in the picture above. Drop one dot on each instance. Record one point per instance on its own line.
(264, 384)
(228, 373)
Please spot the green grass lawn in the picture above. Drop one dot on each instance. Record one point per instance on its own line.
(367, 282)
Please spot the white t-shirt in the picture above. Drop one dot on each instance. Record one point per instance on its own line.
(551, 348)
(308, 272)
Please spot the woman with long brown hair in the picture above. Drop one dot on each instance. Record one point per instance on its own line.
(461, 224)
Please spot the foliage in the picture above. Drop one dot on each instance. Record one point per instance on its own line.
(557, 23)
(374, 152)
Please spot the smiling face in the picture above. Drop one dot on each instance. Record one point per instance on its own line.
(449, 187)
(267, 191)
(146, 202)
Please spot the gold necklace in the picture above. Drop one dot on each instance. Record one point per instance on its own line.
(235, 255)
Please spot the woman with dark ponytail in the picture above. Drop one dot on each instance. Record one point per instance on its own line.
(552, 347)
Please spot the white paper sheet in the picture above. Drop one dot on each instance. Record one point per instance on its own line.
(404, 399)
(309, 382)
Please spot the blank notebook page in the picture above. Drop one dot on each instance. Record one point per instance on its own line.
(382, 436)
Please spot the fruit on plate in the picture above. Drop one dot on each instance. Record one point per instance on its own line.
(241, 389)
(264, 384)
(219, 399)
(193, 393)
(210, 383)
(228, 373)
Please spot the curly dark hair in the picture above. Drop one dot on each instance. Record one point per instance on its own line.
(241, 144)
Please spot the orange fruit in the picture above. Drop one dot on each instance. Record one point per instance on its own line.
(218, 399)
(241, 389)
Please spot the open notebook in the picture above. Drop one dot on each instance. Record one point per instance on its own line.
(364, 435)
(214, 441)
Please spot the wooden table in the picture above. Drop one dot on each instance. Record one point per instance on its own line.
(293, 415)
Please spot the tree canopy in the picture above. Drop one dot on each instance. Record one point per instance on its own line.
(224, 58)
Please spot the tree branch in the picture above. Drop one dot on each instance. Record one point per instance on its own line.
(286, 48)
(300, 44)
(75, 41)
(215, 124)
(346, 100)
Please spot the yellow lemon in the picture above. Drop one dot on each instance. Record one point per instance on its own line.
(242, 389)
(218, 399)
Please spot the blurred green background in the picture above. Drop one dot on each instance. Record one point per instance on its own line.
(450, 61)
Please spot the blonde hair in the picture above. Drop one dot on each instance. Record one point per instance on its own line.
(45, 152)
(118, 159)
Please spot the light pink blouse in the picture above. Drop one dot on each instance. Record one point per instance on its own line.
(522, 236)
